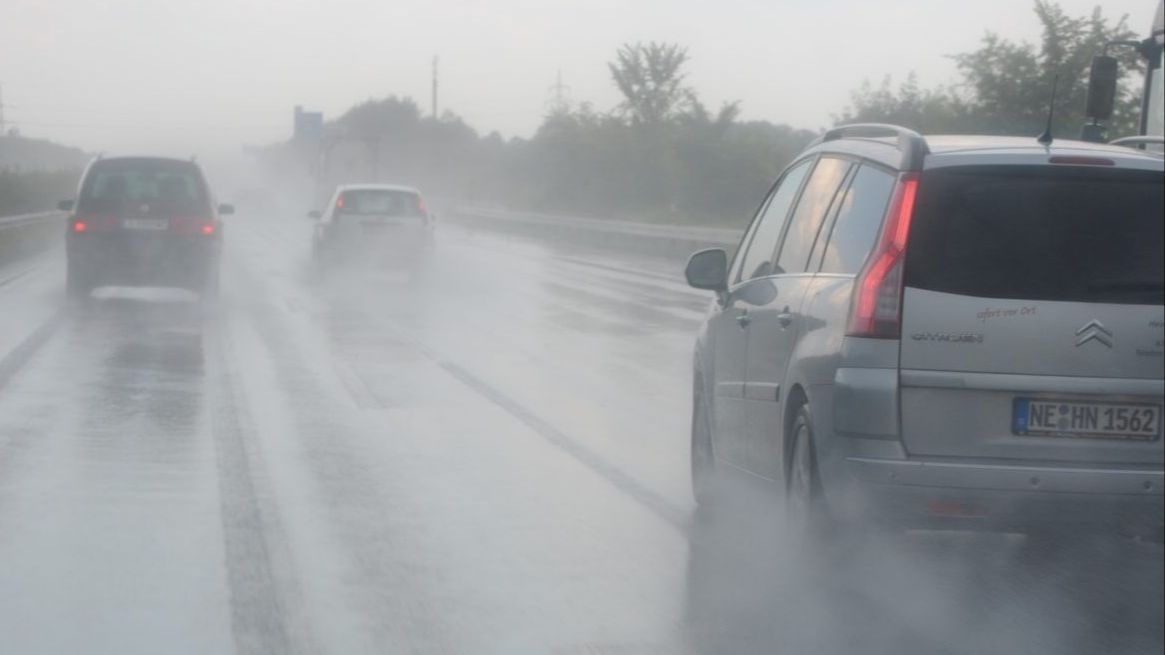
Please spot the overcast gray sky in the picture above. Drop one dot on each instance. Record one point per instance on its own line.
(152, 75)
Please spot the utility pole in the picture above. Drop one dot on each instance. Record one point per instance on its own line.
(2, 132)
(434, 87)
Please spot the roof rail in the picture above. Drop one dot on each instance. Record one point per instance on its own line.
(911, 143)
(1135, 141)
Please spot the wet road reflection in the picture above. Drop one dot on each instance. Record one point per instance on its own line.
(491, 458)
(750, 590)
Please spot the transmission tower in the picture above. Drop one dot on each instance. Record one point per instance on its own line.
(559, 95)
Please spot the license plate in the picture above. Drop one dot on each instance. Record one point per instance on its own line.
(145, 224)
(1070, 418)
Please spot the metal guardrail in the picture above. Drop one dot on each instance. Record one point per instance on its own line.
(12, 222)
(27, 235)
(646, 238)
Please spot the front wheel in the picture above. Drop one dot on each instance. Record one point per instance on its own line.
(703, 457)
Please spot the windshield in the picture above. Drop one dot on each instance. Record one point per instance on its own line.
(1032, 234)
(375, 202)
(580, 327)
(160, 187)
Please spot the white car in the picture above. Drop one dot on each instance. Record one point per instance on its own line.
(373, 225)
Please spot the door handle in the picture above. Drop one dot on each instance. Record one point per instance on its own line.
(743, 319)
(785, 318)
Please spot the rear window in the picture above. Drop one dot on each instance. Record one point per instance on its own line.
(1040, 233)
(144, 186)
(379, 202)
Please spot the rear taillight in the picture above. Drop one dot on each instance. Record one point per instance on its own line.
(193, 225)
(80, 226)
(876, 310)
(421, 205)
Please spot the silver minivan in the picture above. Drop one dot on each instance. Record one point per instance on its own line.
(943, 332)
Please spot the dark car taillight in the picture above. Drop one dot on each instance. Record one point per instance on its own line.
(193, 226)
(876, 310)
(86, 223)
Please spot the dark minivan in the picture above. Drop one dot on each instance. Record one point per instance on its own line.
(143, 221)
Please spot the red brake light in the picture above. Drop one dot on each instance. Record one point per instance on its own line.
(208, 229)
(80, 226)
(340, 202)
(421, 204)
(877, 304)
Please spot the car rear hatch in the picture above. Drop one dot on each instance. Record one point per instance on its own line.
(140, 206)
(379, 221)
(1033, 312)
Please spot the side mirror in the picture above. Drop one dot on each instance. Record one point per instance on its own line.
(65, 205)
(315, 215)
(226, 210)
(708, 269)
(1102, 81)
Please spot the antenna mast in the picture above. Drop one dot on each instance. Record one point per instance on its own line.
(1046, 137)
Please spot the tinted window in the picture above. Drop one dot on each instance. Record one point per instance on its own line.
(159, 186)
(859, 217)
(379, 202)
(1035, 233)
(759, 254)
(810, 213)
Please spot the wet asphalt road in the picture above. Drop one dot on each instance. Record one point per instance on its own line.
(493, 459)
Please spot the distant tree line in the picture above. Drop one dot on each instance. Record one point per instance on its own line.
(661, 154)
(35, 173)
(25, 192)
(1005, 87)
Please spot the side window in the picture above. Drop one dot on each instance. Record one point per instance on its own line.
(758, 254)
(810, 213)
(738, 256)
(858, 220)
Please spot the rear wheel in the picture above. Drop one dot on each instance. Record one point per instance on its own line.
(210, 285)
(805, 511)
(77, 284)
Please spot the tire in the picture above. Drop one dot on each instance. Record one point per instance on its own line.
(806, 515)
(77, 286)
(209, 293)
(703, 458)
(321, 262)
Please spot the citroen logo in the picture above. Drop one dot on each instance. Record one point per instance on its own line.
(1094, 330)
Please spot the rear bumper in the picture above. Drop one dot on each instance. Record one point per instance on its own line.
(184, 261)
(403, 251)
(999, 496)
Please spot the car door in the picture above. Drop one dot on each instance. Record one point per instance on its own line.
(776, 320)
(728, 329)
